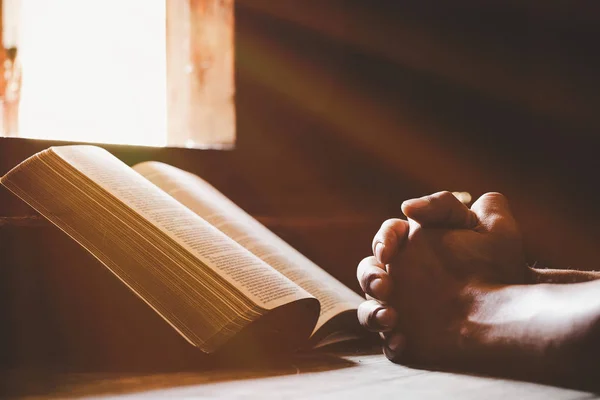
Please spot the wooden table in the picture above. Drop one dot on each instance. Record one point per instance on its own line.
(318, 376)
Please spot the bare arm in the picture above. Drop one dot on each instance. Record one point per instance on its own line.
(540, 332)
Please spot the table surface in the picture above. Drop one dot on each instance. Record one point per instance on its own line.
(321, 376)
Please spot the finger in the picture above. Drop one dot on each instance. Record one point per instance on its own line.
(493, 213)
(440, 210)
(374, 316)
(374, 279)
(394, 344)
(389, 238)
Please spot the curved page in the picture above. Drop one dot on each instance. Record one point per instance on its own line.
(213, 206)
(201, 282)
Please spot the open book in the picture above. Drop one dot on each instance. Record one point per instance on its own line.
(209, 269)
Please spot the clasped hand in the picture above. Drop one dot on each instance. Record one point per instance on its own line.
(423, 280)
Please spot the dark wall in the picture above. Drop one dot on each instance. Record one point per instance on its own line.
(416, 97)
(345, 108)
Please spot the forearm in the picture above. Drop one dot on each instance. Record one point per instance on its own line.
(540, 332)
(550, 275)
(573, 312)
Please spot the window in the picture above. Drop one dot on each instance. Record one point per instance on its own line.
(146, 72)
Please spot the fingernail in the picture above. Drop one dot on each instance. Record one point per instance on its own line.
(379, 252)
(385, 318)
(396, 343)
(416, 203)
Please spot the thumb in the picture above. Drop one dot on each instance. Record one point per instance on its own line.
(440, 210)
(493, 212)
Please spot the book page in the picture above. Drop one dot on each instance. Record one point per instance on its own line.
(222, 213)
(207, 286)
(258, 281)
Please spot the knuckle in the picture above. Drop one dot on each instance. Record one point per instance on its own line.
(387, 227)
(367, 261)
(385, 232)
(502, 223)
(444, 195)
(388, 223)
(366, 311)
(363, 266)
(368, 275)
(363, 311)
(495, 195)
(447, 199)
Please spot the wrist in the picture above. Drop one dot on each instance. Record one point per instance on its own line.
(494, 334)
(502, 315)
(540, 332)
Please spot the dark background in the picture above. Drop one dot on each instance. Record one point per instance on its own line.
(345, 108)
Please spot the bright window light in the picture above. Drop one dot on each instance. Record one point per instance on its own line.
(93, 71)
(142, 72)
